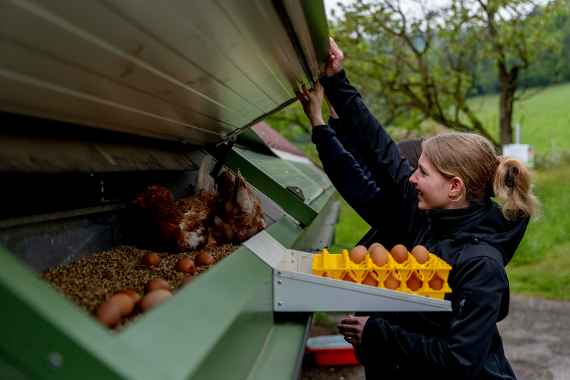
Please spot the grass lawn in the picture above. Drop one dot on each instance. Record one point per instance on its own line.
(544, 117)
(548, 278)
(541, 265)
(350, 228)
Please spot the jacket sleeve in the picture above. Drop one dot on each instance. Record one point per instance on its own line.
(380, 152)
(461, 352)
(352, 181)
(349, 143)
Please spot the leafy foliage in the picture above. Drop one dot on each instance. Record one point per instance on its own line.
(414, 68)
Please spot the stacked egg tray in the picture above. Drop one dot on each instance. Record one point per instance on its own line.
(339, 266)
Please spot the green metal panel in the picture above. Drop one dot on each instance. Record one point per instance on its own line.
(239, 348)
(283, 346)
(318, 28)
(320, 233)
(192, 71)
(314, 173)
(321, 201)
(9, 371)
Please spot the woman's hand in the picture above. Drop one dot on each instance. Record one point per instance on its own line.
(352, 327)
(334, 60)
(312, 102)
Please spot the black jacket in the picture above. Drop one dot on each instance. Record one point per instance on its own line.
(477, 242)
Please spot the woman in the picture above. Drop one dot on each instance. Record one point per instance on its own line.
(446, 205)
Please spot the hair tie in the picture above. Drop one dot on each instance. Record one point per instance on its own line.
(510, 176)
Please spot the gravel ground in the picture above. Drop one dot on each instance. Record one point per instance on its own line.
(536, 336)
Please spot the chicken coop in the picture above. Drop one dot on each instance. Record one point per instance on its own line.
(101, 101)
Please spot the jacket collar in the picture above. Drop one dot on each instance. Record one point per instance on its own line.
(448, 222)
(481, 221)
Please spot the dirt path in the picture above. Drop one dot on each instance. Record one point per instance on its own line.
(536, 336)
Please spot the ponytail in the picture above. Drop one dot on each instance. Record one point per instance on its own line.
(512, 188)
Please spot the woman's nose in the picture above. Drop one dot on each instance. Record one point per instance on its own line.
(413, 178)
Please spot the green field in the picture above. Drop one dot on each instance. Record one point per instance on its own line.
(541, 265)
(544, 117)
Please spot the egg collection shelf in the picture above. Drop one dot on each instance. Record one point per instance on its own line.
(296, 288)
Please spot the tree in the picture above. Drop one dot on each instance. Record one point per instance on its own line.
(426, 64)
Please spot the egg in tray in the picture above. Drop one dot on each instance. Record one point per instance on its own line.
(419, 272)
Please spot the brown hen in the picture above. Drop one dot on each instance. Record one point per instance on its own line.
(181, 225)
(240, 215)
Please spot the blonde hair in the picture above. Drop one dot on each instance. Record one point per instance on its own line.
(472, 158)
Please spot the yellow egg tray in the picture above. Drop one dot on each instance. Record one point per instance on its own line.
(340, 267)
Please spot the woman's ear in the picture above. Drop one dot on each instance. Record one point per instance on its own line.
(456, 189)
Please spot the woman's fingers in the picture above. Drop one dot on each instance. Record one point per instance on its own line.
(333, 45)
(319, 90)
(335, 58)
(335, 50)
(303, 94)
(349, 329)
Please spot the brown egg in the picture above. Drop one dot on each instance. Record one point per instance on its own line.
(157, 283)
(436, 283)
(378, 254)
(399, 253)
(135, 296)
(186, 265)
(154, 298)
(347, 277)
(391, 282)
(109, 313)
(420, 253)
(374, 245)
(370, 280)
(125, 301)
(414, 283)
(358, 253)
(151, 260)
(204, 258)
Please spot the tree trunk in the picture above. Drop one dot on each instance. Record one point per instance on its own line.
(508, 88)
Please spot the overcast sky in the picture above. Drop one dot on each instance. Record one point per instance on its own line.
(409, 4)
(332, 4)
